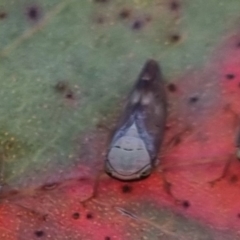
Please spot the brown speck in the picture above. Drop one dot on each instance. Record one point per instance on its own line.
(107, 238)
(102, 1)
(186, 204)
(3, 15)
(137, 25)
(234, 179)
(76, 215)
(230, 76)
(174, 38)
(69, 94)
(193, 99)
(61, 86)
(126, 188)
(238, 215)
(89, 216)
(172, 87)
(34, 13)
(174, 5)
(125, 13)
(39, 233)
(100, 20)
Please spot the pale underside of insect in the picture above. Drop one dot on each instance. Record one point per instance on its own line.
(136, 141)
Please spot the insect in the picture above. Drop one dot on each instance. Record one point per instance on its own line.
(137, 138)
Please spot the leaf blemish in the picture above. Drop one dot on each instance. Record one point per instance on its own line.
(39, 233)
(174, 38)
(137, 25)
(89, 216)
(3, 15)
(174, 5)
(125, 13)
(186, 204)
(126, 188)
(172, 87)
(193, 99)
(76, 215)
(230, 76)
(107, 238)
(34, 13)
(234, 179)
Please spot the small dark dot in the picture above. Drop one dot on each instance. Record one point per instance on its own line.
(125, 13)
(175, 38)
(76, 215)
(33, 13)
(107, 238)
(61, 86)
(126, 188)
(234, 179)
(101, 1)
(186, 204)
(230, 76)
(100, 20)
(172, 87)
(137, 25)
(89, 216)
(174, 5)
(3, 15)
(193, 99)
(238, 215)
(238, 45)
(39, 233)
(69, 95)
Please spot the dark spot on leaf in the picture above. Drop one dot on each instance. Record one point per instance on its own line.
(126, 188)
(230, 76)
(76, 215)
(193, 99)
(3, 15)
(89, 216)
(49, 186)
(186, 204)
(172, 87)
(238, 215)
(101, 1)
(61, 87)
(234, 179)
(125, 13)
(107, 238)
(137, 25)
(174, 5)
(174, 38)
(39, 233)
(69, 95)
(34, 13)
(238, 45)
(148, 18)
(100, 20)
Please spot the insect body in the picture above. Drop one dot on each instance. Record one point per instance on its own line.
(135, 143)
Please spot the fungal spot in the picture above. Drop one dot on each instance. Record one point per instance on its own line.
(125, 13)
(107, 238)
(174, 5)
(238, 215)
(186, 204)
(89, 216)
(230, 76)
(126, 188)
(100, 20)
(238, 45)
(76, 215)
(174, 38)
(172, 87)
(137, 25)
(39, 233)
(234, 179)
(34, 13)
(193, 99)
(3, 15)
